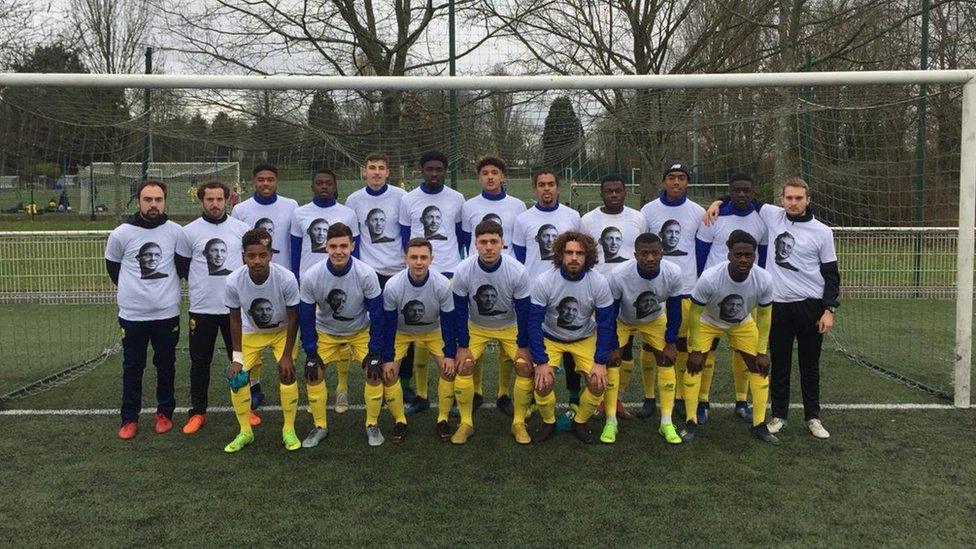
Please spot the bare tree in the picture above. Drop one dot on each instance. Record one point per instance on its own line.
(111, 33)
(14, 24)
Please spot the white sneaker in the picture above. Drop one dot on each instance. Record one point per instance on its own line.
(374, 437)
(342, 402)
(315, 436)
(775, 425)
(817, 429)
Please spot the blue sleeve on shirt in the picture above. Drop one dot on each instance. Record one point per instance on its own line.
(461, 313)
(702, 249)
(463, 238)
(375, 308)
(522, 307)
(306, 321)
(763, 251)
(605, 328)
(404, 236)
(519, 252)
(616, 315)
(296, 254)
(449, 333)
(389, 320)
(674, 319)
(537, 315)
(357, 240)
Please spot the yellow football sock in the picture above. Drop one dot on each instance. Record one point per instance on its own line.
(393, 395)
(241, 400)
(506, 369)
(680, 366)
(445, 398)
(318, 396)
(373, 394)
(759, 386)
(665, 387)
(289, 404)
(648, 363)
(740, 374)
(610, 394)
(626, 372)
(522, 398)
(706, 377)
(420, 357)
(478, 375)
(546, 406)
(588, 404)
(464, 395)
(342, 372)
(690, 387)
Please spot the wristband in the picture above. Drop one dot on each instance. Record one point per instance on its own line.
(238, 357)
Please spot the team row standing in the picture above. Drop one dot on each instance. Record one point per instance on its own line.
(392, 217)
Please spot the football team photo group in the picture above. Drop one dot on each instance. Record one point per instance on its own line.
(389, 282)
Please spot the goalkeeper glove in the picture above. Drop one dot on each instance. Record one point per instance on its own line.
(312, 365)
(373, 366)
(240, 380)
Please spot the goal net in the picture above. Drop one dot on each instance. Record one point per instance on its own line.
(883, 164)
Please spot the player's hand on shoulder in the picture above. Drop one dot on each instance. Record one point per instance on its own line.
(711, 214)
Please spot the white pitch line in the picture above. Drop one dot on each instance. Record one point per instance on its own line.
(227, 409)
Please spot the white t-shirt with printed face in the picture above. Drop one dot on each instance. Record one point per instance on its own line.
(379, 228)
(536, 230)
(677, 226)
(418, 307)
(311, 223)
(614, 235)
(727, 302)
(214, 250)
(340, 299)
(504, 211)
(642, 300)
(570, 304)
(435, 217)
(149, 287)
(491, 294)
(274, 218)
(263, 306)
(717, 233)
(796, 251)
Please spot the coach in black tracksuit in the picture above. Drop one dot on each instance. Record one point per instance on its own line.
(141, 260)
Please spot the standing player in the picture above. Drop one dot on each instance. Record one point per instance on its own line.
(418, 309)
(565, 301)
(614, 227)
(721, 301)
(377, 207)
(309, 226)
(639, 289)
(269, 294)
(267, 210)
(431, 211)
(491, 302)
(213, 242)
(493, 203)
(710, 250)
(337, 294)
(141, 260)
(676, 219)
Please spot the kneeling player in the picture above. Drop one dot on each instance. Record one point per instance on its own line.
(270, 293)
(336, 296)
(564, 303)
(639, 289)
(418, 309)
(721, 301)
(491, 302)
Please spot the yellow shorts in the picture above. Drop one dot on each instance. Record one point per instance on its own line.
(742, 337)
(582, 351)
(253, 344)
(432, 341)
(652, 333)
(330, 347)
(685, 313)
(479, 338)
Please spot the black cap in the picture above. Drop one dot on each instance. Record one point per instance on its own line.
(675, 166)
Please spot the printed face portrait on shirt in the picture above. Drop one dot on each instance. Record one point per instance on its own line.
(568, 314)
(783, 248)
(545, 236)
(317, 231)
(486, 297)
(432, 219)
(375, 225)
(337, 302)
(262, 312)
(610, 240)
(413, 313)
(732, 308)
(149, 256)
(670, 237)
(215, 252)
(646, 304)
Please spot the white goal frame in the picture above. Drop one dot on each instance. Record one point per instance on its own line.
(967, 154)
